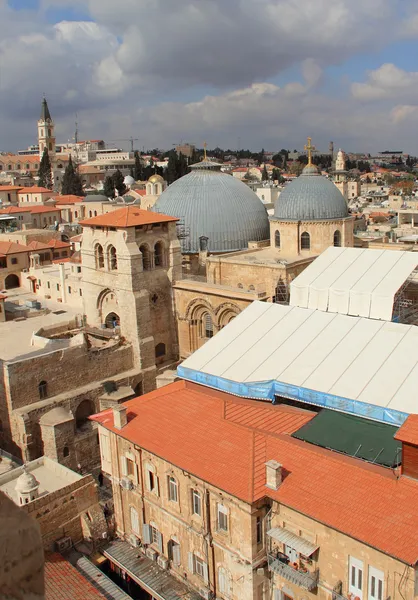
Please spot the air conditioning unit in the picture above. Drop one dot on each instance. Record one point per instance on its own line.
(151, 553)
(206, 593)
(63, 544)
(126, 483)
(162, 562)
(134, 541)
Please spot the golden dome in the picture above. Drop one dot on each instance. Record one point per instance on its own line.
(156, 179)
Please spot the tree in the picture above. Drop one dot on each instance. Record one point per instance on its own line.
(265, 175)
(71, 182)
(45, 171)
(138, 169)
(171, 171)
(109, 187)
(118, 182)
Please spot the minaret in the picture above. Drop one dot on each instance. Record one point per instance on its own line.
(46, 133)
(340, 162)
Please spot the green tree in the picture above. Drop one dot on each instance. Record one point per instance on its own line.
(171, 171)
(138, 169)
(71, 182)
(276, 176)
(45, 171)
(109, 187)
(118, 183)
(264, 175)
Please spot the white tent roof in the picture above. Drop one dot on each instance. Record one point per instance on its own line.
(328, 355)
(352, 281)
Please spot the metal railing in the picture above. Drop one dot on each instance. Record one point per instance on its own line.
(308, 581)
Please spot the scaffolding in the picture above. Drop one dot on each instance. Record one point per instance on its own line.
(405, 305)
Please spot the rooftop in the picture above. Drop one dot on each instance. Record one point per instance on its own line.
(51, 477)
(36, 190)
(65, 582)
(131, 216)
(408, 433)
(12, 248)
(240, 436)
(69, 199)
(44, 209)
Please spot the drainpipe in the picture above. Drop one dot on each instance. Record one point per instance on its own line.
(142, 485)
(209, 541)
(62, 281)
(299, 224)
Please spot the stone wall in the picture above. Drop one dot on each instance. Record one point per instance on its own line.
(67, 511)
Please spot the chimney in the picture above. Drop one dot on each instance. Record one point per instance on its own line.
(119, 416)
(273, 474)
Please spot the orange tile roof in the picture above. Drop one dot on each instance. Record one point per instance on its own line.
(58, 244)
(127, 217)
(38, 246)
(44, 209)
(65, 582)
(36, 190)
(408, 433)
(69, 199)
(9, 188)
(12, 248)
(9, 210)
(364, 501)
(76, 238)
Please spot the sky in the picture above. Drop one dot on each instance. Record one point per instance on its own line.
(234, 73)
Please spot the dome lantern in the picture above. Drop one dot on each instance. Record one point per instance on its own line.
(27, 487)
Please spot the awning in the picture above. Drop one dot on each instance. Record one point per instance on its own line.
(294, 541)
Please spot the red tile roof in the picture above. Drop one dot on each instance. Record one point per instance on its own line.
(127, 217)
(64, 582)
(44, 209)
(12, 248)
(408, 433)
(10, 210)
(364, 501)
(36, 190)
(69, 199)
(38, 246)
(58, 244)
(9, 188)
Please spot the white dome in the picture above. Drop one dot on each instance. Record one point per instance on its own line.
(26, 483)
(129, 180)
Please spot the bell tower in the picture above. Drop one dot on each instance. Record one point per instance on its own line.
(46, 132)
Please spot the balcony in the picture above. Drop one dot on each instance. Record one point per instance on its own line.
(308, 581)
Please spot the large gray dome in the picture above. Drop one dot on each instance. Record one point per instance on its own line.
(310, 197)
(212, 204)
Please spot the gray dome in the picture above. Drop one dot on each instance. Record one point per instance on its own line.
(96, 198)
(26, 483)
(310, 197)
(218, 206)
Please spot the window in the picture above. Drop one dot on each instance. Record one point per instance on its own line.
(172, 489)
(134, 520)
(196, 503)
(199, 566)
(356, 577)
(159, 350)
(152, 480)
(81, 292)
(222, 518)
(154, 533)
(69, 289)
(159, 254)
(14, 261)
(113, 260)
(130, 468)
(206, 326)
(98, 251)
(43, 390)
(224, 581)
(277, 239)
(174, 552)
(48, 285)
(376, 579)
(58, 287)
(305, 241)
(337, 239)
(146, 257)
(259, 530)
(66, 451)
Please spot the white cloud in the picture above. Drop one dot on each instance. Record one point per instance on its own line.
(386, 82)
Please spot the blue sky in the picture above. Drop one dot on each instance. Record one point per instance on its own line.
(270, 72)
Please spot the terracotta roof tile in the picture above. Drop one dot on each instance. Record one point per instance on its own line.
(69, 199)
(58, 244)
(64, 582)
(127, 217)
(36, 190)
(364, 501)
(44, 209)
(9, 188)
(408, 433)
(10, 210)
(12, 248)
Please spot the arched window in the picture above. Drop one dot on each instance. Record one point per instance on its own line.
(18, 167)
(159, 254)
(84, 410)
(95, 213)
(337, 238)
(90, 213)
(206, 326)
(49, 133)
(43, 390)
(159, 350)
(305, 241)
(113, 259)
(277, 239)
(99, 256)
(146, 257)
(50, 146)
(66, 452)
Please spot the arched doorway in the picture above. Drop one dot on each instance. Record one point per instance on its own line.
(12, 281)
(112, 320)
(84, 410)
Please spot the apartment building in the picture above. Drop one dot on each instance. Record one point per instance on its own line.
(216, 494)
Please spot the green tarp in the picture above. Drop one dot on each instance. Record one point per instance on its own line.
(355, 436)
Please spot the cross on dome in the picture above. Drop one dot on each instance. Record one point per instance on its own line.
(309, 149)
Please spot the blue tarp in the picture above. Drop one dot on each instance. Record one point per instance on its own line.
(267, 390)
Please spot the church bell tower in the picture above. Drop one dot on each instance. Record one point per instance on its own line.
(46, 132)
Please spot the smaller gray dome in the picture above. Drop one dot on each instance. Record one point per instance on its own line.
(26, 483)
(310, 197)
(96, 198)
(129, 180)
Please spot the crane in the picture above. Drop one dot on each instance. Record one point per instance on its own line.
(131, 139)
